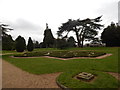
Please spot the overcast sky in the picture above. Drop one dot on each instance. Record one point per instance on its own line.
(28, 18)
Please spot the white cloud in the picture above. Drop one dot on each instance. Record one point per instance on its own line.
(28, 17)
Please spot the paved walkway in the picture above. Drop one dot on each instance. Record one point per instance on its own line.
(14, 77)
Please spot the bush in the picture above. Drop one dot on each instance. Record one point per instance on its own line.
(30, 45)
(7, 43)
(61, 44)
(20, 44)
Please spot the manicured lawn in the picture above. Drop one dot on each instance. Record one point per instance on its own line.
(5, 51)
(101, 80)
(43, 65)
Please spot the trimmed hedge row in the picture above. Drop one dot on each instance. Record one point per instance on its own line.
(62, 54)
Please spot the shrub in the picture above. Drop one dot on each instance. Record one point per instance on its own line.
(7, 43)
(30, 45)
(20, 44)
(61, 44)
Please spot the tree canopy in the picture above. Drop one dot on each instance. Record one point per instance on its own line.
(30, 45)
(20, 44)
(7, 41)
(84, 29)
(4, 28)
(48, 40)
(111, 35)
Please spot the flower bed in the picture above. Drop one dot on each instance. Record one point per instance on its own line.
(62, 54)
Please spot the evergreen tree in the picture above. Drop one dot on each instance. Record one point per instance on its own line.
(30, 45)
(7, 43)
(71, 42)
(61, 43)
(111, 35)
(83, 29)
(20, 44)
(36, 44)
(6, 40)
(48, 40)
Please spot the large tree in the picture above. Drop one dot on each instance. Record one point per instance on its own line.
(30, 45)
(20, 44)
(48, 40)
(111, 35)
(36, 44)
(8, 43)
(84, 29)
(5, 39)
(4, 28)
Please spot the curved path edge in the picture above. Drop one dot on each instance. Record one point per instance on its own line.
(99, 57)
(14, 77)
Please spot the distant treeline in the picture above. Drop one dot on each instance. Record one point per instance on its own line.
(84, 30)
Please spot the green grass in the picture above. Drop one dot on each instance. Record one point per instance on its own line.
(46, 65)
(102, 80)
(5, 51)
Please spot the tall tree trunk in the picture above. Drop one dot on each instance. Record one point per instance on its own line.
(82, 40)
(81, 37)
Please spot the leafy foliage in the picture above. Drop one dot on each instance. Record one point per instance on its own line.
(20, 44)
(30, 45)
(8, 43)
(36, 44)
(4, 28)
(111, 35)
(71, 42)
(62, 54)
(48, 40)
(61, 43)
(84, 29)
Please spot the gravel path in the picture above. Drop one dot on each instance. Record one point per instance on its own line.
(14, 77)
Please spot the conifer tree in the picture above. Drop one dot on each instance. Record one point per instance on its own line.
(30, 45)
(48, 40)
(20, 44)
